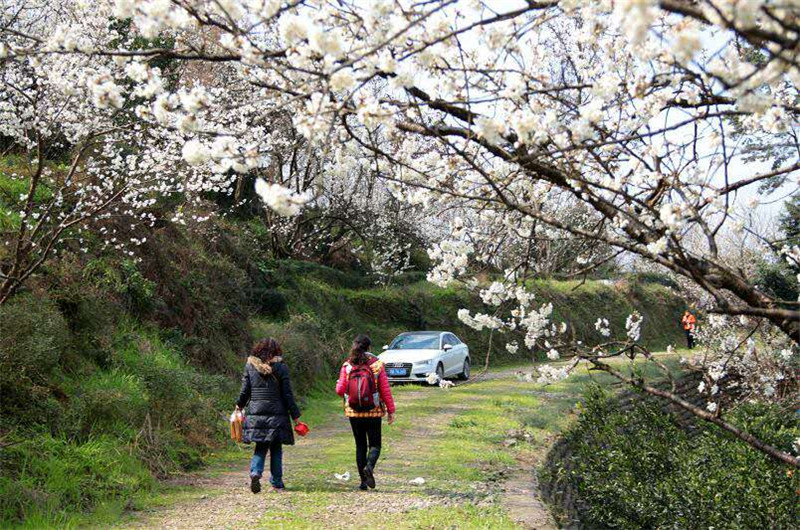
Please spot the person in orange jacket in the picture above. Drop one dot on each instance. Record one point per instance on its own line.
(689, 321)
(365, 418)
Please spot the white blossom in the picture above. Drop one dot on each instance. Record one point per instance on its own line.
(602, 326)
(633, 326)
(196, 153)
(281, 199)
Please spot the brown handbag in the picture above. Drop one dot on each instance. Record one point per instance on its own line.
(237, 421)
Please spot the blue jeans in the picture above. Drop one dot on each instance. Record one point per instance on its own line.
(275, 462)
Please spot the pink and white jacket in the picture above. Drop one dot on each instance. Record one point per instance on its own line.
(382, 384)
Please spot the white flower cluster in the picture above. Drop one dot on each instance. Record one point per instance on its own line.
(633, 326)
(549, 374)
(536, 324)
(105, 92)
(602, 326)
(224, 153)
(479, 321)
(495, 294)
(744, 355)
(283, 200)
(451, 258)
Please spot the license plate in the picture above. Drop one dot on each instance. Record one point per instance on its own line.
(397, 372)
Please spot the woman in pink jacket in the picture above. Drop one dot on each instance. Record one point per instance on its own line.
(364, 385)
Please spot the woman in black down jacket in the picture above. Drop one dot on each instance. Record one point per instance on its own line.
(266, 386)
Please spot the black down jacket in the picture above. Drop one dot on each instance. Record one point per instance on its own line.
(266, 387)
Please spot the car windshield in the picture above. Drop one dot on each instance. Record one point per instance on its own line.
(415, 342)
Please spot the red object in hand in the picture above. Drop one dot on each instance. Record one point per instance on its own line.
(301, 428)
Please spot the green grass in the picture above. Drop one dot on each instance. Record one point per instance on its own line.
(91, 476)
(462, 457)
(15, 182)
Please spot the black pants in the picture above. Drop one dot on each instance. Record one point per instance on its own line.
(367, 432)
(689, 339)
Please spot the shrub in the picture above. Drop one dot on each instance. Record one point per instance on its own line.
(655, 277)
(200, 292)
(33, 335)
(82, 290)
(179, 396)
(124, 280)
(284, 272)
(310, 352)
(637, 468)
(778, 280)
(270, 302)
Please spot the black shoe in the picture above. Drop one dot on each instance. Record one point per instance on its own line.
(255, 484)
(363, 486)
(369, 477)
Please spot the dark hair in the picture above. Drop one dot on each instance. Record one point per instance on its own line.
(358, 353)
(267, 349)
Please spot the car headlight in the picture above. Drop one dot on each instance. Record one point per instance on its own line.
(424, 363)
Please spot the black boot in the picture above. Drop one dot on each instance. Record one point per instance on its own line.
(372, 459)
(255, 484)
(363, 486)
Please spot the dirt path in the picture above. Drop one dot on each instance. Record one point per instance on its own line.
(522, 500)
(316, 499)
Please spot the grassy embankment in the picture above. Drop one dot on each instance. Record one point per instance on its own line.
(319, 310)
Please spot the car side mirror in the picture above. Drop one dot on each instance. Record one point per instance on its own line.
(385, 346)
(447, 347)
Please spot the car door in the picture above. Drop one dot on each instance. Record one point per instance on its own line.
(451, 365)
(460, 352)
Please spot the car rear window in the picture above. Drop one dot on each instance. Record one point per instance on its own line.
(415, 342)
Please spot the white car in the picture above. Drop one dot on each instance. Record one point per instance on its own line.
(414, 355)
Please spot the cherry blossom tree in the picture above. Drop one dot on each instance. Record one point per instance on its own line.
(656, 117)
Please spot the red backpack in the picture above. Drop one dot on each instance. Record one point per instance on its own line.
(362, 393)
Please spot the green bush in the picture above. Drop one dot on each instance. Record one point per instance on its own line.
(179, 396)
(778, 280)
(33, 335)
(638, 469)
(654, 277)
(202, 293)
(114, 431)
(311, 353)
(270, 302)
(286, 272)
(124, 280)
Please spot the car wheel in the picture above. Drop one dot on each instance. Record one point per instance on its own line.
(464, 375)
(440, 371)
